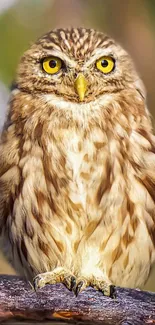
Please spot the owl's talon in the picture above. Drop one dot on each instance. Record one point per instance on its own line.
(73, 282)
(58, 275)
(112, 292)
(78, 288)
(108, 292)
(35, 286)
(69, 282)
(104, 286)
(38, 283)
(81, 284)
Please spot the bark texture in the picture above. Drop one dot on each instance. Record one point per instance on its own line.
(19, 303)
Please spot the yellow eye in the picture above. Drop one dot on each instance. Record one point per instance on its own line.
(52, 64)
(106, 64)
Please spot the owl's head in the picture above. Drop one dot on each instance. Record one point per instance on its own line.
(78, 65)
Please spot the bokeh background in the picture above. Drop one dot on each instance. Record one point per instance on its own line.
(132, 23)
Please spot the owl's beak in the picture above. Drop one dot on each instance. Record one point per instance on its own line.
(80, 85)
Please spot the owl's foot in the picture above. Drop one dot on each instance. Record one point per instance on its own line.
(99, 284)
(58, 275)
(104, 286)
(77, 285)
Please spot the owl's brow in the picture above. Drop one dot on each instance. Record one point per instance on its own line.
(63, 57)
(98, 53)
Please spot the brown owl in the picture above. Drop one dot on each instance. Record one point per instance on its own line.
(77, 166)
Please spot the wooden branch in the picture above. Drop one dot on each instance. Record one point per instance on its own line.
(54, 302)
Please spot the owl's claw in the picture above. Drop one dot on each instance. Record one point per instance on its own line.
(105, 287)
(77, 285)
(58, 275)
(80, 285)
(112, 292)
(108, 291)
(78, 288)
(73, 282)
(69, 282)
(37, 282)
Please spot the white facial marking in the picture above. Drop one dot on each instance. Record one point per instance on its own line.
(60, 103)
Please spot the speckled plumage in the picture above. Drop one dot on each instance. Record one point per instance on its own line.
(77, 179)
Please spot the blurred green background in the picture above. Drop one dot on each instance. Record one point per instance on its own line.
(132, 23)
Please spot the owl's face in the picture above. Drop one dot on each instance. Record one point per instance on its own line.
(78, 65)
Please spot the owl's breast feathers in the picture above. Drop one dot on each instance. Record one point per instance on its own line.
(85, 183)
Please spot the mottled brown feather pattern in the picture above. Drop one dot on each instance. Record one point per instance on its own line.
(77, 179)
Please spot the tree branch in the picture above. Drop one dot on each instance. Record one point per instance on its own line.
(54, 302)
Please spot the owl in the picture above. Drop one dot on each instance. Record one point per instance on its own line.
(77, 166)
